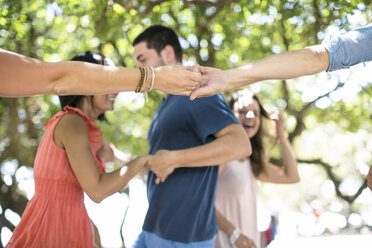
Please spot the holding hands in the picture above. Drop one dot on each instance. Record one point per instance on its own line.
(213, 81)
(176, 79)
(162, 164)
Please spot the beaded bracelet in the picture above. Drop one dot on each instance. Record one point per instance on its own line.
(142, 80)
(141, 87)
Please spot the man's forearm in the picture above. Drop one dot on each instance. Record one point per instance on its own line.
(286, 65)
(226, 148)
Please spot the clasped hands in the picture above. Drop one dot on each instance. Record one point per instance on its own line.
(162, 163)
(212, 81)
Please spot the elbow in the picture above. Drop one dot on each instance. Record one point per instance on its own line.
(247, 151)
(295, 179)
(244, 148)
(96, 197)
(319, 60)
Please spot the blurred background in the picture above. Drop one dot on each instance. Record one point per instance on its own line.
(329, 116)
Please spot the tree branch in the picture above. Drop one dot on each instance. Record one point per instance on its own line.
(213, 3)
(328, 168)
(101, 19)
(309, 104)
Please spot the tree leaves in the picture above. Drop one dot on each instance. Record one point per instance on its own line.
(223, 34)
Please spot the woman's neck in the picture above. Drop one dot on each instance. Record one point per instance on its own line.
(85, 106)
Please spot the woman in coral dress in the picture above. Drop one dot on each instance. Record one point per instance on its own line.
(66, 166)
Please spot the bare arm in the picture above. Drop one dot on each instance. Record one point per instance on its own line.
(24, 76)
(227, 227)
(288, 173)
(231, 143)
(285, 65)
(72, 135)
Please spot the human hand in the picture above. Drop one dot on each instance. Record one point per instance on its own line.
(139, 162)
(176, 79)
(106, 152)
(277, 116)
(162, 164)
(245, 242)
(369, 178)
(213, 82)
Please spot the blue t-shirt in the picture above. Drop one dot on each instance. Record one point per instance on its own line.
(349, 49)
(182, 208)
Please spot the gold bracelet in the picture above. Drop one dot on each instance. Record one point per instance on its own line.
(146, 79)
(144, 85)
(142, 80)
(152, 79)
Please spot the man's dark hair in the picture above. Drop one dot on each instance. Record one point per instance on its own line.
(157, 37)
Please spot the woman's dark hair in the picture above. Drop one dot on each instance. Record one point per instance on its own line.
(157, 37)
(257, 156)
(73, 100)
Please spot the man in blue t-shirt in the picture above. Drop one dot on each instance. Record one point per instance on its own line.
(188, 139)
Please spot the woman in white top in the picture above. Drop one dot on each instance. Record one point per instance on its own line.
(237, 188)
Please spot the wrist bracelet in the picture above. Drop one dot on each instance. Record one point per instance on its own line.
(235, 235)
(152, 79)
(142, 80)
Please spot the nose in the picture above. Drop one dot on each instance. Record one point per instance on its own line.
(250, 114)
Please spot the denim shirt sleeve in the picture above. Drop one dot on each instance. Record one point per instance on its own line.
(349, 49)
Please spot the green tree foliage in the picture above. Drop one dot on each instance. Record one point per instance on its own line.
(220, 33)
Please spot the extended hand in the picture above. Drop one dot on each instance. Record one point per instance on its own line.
(162, 164)
(213, 82)
(176, 79)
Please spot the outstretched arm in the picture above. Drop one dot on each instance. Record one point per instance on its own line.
(25, 76)
(285, 65)
(336, 52)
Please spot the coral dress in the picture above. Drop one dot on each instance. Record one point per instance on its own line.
(56, 217)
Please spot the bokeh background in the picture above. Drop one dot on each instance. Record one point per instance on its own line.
(329, 116)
